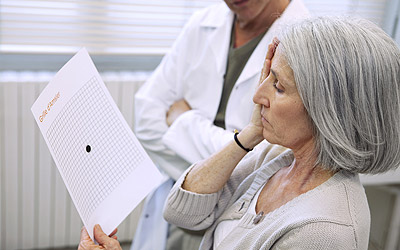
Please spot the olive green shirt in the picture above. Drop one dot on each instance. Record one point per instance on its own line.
(237, 59)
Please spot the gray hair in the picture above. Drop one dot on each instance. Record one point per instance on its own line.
(347, 72)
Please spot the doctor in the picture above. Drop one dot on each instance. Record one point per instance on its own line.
(199, 94)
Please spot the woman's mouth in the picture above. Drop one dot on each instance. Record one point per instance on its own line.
(263, 120)
(240, 3)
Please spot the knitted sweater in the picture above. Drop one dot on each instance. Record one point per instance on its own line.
(334, 215)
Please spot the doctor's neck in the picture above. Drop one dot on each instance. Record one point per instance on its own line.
(252, 23)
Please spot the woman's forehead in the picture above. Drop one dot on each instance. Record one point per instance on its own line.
(280, 67)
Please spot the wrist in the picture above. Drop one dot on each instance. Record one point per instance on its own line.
(249, 138)
(235, 136)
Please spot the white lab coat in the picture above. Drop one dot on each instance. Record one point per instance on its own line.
(194, 70)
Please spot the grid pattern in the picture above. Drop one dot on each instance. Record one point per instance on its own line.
(89, 119)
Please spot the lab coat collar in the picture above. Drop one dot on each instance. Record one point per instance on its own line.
(218, 16)
(220, 19)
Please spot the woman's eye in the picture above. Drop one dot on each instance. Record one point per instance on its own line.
(277, 88)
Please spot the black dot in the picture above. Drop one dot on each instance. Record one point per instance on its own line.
(88, 148)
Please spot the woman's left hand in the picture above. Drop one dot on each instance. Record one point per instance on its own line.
(255, 123)
(105, 242)
(268, 58)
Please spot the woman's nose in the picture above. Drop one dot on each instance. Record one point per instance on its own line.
(261, 95)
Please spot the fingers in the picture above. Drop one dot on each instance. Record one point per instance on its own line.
(113, 232)
(275, 42)
(85, 242)
(270, 52)
(99, 235)
(267, 63)
(105, 240)
(84, 234)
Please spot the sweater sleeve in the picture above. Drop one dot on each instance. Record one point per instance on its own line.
(190, 210)
(199, 211)
(319, 236)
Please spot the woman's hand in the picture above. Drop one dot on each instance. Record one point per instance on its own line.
(255, 125)
(268, 58)
(176, 109)
(105, 242)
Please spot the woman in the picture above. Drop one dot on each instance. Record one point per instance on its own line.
(328, 107)
(332, 98)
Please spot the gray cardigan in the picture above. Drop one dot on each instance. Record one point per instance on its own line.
(334, 215)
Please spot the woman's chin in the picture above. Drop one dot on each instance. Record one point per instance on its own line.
(269, 137)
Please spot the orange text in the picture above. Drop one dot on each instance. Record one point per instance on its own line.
(49, 106)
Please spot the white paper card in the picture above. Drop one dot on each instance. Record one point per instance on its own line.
(104, 167)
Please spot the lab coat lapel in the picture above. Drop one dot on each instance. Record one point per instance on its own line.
(219, 38)
(255, 62)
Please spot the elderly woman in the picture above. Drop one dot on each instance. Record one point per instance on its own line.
(327, 108)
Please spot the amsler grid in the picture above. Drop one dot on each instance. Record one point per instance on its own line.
(88, 133)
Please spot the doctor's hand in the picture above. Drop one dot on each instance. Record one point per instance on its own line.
(105, 242)
(176, 109)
